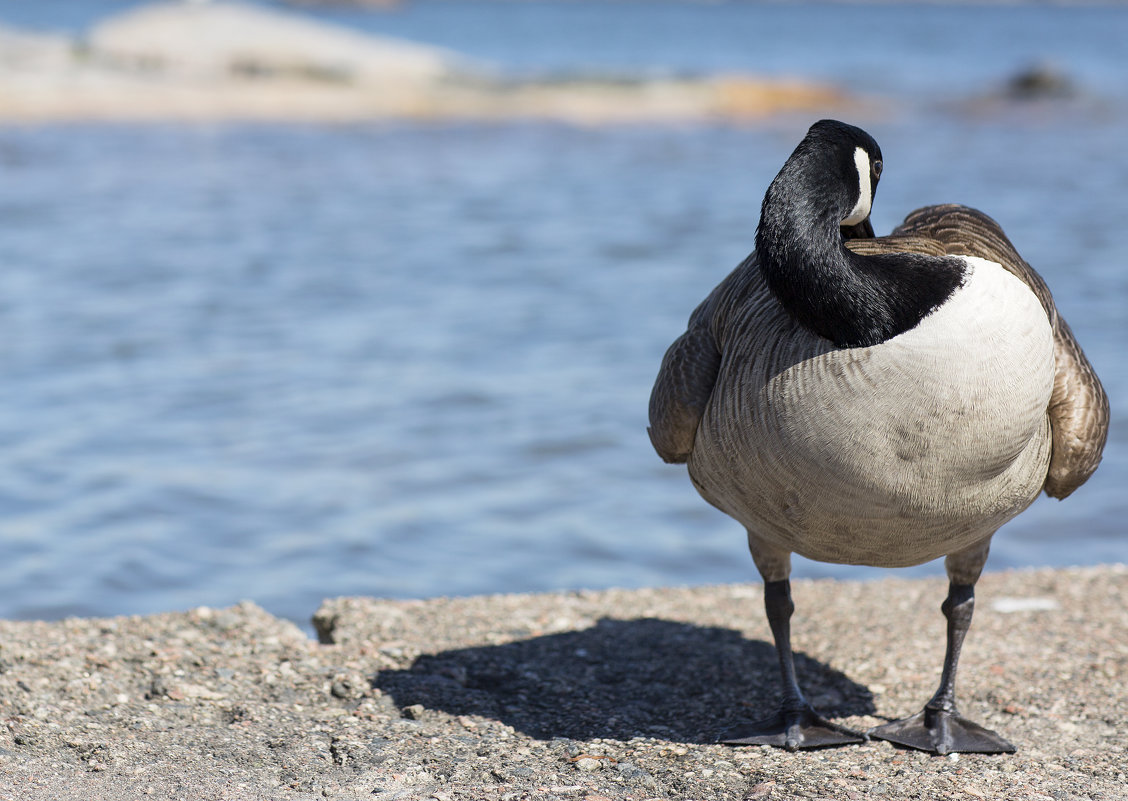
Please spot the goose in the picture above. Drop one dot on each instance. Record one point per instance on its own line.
(879, 401)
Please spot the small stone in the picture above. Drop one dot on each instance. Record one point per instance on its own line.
(414, 712)
(158, 688)
(588, 765)
(633, 773)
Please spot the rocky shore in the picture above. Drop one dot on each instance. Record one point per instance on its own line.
(591, 695)
(226, 60)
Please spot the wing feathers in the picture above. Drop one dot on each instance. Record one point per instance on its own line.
(681, 393)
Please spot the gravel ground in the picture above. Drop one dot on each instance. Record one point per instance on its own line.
(591, 696)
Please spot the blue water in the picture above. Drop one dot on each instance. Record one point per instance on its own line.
(287, 362)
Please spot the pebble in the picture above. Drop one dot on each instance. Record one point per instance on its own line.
(414, 712)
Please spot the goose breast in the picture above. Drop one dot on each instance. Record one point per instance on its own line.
(889, 455)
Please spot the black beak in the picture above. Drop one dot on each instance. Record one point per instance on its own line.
(862, 230)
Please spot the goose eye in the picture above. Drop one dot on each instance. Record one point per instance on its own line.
(877, 169)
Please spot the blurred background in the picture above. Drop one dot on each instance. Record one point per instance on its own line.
(299, 301)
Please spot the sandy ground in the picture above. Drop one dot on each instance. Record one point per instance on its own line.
(592, 695)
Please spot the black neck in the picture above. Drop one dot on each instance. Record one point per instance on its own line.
(850, 299)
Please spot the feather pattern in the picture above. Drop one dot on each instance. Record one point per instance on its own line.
(920, 446)
(1079, 408)
(728, 392)
(684, 386)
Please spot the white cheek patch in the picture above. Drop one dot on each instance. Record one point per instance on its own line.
(861, 209)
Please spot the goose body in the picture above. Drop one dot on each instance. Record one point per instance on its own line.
(878, 401)
(919, 446)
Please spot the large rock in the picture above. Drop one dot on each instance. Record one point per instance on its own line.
(225, 60)
(25, 50)
(222, 39)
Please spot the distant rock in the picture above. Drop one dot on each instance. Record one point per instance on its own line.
(228, 60)
(24, 50)
(1041, 81)
(217, 39)
(1040, 91)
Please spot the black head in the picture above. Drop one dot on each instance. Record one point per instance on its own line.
(824, 193)
(845, 161)
(821, 196)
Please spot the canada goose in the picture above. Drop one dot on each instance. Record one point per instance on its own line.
(877, 401)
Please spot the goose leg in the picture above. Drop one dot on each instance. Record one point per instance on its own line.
(795, 725)
(939, 727)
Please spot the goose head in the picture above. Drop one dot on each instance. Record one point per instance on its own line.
(823, 193)
(828, 182)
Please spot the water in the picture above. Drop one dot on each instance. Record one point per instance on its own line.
(297, 361)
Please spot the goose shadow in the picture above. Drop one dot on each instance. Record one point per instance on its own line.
(619, 679)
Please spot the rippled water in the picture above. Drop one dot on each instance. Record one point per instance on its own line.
(290, 362)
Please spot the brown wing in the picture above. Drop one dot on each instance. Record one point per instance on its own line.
(1079, 413)
(689, 369)
(683, 387)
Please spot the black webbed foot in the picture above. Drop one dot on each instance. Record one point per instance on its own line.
(942, 732)
(793, 730)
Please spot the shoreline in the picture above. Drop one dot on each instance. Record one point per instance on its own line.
(613, 694)
(234, 61)
(721, 98)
